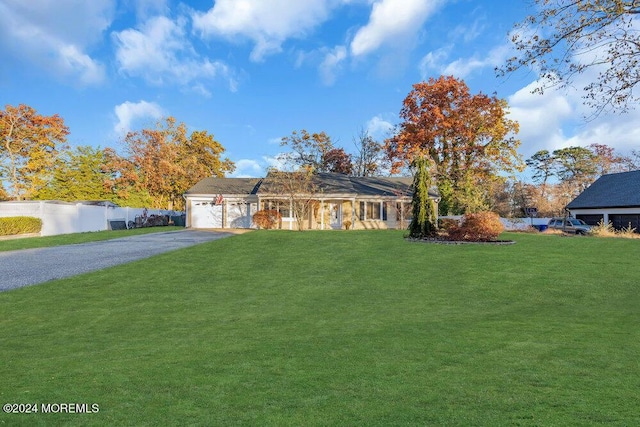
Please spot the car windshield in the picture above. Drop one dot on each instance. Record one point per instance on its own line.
(577, 222)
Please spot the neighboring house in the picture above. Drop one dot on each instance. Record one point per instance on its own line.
(361, 202)
(613, 198)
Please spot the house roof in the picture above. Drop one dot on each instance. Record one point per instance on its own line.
(327, 183)
(214, 185)
(616, 190)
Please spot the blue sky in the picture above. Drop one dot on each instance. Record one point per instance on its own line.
(253, 71)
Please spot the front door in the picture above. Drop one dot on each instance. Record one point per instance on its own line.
(335, 215)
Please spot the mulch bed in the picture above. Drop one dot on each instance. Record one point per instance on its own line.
(461, 242)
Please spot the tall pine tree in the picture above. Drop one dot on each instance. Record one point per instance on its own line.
(423, 221)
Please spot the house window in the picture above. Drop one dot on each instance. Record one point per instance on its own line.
(404, 211)
(373, 211)
(278, 205)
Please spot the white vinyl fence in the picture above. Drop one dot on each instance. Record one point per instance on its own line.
(512, 224)
(63, 217)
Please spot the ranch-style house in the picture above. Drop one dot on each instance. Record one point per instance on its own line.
(339, 202)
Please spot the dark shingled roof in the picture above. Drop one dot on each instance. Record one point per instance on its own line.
(336, 183)
(328, 183)
(616, 190)
(214, 185)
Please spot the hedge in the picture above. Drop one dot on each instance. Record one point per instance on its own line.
(19, 225)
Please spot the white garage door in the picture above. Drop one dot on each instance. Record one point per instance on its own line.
(206, 215)
(238, 215)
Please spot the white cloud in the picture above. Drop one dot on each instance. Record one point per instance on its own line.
(257, 168)
(619, 131)
(129, 113)
(267, 24)
(555, 120)
(468, 33)
(149, 8)
(379, 128)
(461, 68)
(248, 168)
(88, 71)
(392, 21)
(433, 61)
(331, 64)
(541, 119)
(160, 52)
(57, 35)
(280, 161)
(436, 62)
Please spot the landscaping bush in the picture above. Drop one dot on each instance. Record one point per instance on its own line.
(628, 232)
(10, 226)
(267, 219)
(603, 230)
(446, 224)
(607, 230)
(477, 227)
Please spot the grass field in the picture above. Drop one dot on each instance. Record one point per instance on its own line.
(336, 328)
(69, 239)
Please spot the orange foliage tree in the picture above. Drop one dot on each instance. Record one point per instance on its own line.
(29, 145)
(165, 162)
(468, 137)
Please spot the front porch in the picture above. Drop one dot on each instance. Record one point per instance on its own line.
(342, 213)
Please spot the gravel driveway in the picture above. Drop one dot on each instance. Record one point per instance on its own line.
(32, 266)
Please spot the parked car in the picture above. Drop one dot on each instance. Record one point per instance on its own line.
(570, 225)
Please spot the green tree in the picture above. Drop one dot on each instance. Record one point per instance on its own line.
(544, 166)
(423, 221)
(576, 165)
(78, 174)
(29, 146)
(564, 39)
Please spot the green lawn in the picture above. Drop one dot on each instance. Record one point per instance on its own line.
(336, 328)
(68, 239)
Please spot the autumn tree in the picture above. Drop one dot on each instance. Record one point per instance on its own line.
(78, 174)
(607, 160)
(315, 151)
(297, 189)
(167, 161)
(29, 145)
(369, 157)
(337, 160)
(122, 181)
(633, 160)
(565, 39)
(307, 149)
(468, 137)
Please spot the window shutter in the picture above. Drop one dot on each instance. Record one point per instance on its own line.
(361, 211)
(384, 211)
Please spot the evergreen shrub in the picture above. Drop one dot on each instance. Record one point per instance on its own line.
(13, 225)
